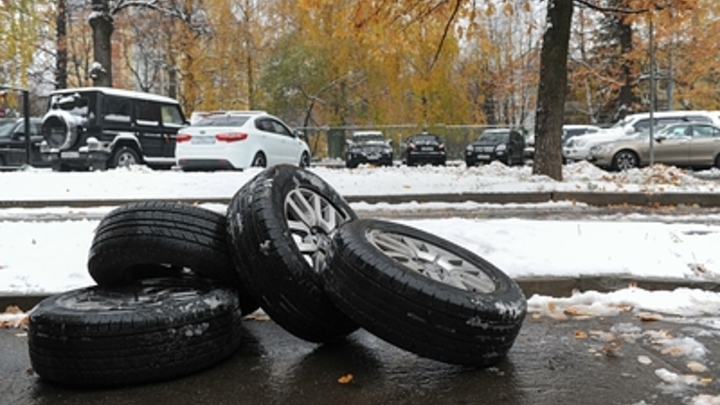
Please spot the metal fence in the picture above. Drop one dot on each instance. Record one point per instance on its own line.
(329, 142)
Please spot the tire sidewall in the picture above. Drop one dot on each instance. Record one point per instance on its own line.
(506, 293)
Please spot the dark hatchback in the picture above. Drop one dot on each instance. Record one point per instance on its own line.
(504, 145)
(424, 148)
(12, 142)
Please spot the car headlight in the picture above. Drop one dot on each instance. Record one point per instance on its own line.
(579, 143)
(501, 148)
(469, 148)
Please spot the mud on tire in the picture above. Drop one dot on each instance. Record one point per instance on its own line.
(159, 239)
(423, 294)
(151, 330)
(280, 224)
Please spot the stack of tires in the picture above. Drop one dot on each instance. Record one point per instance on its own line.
(174, 280)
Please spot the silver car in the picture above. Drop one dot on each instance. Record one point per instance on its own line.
(691, 144)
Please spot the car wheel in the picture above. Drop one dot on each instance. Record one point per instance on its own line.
(304, 160)
(423, 294)
(625, 160)
(154, 329)
(351, 164)
(279, 226)
(717, 162)
(259, 160)
(158, 239)
(469, 162)
(124, 156)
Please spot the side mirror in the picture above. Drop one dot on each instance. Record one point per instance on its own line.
(660, 138)
(299, 134)
(390, 142)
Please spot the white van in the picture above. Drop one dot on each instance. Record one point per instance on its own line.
(578, 148)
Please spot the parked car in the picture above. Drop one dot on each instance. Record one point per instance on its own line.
(504, 145)
(569, 131)
(238, 140)
(368, 147)
(687, 145)
(578, 148)
(13, 143)
(100, 127)
(424, 148)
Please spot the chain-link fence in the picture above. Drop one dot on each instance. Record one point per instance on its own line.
(330, 142)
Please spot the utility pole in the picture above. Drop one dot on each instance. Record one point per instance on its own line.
(651, 110)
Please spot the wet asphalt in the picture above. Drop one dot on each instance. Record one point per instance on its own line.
(623, 359)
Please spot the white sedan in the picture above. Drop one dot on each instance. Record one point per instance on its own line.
(238, 140)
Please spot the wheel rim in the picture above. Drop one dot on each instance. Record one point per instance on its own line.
(625, 161)
(104, 299)
(259, 161)
(432, 261)
(126, 159)
(312, 221)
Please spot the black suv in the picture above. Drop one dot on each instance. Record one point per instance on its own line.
(424, 148)
(13, 142)
(99, 128)
(368, 147)
(505, 145)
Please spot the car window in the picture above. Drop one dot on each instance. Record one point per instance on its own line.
(677, 131)
(278, 128)
(222, 121)
(147, 113)
(172, 116)
(704, 131)
(117, 109)
(6, 128)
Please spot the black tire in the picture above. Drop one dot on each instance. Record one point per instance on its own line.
(59, 130)
(123, 156)
(259, 160)
(154, 329)
(351, 164)
(304, 160)
(625, 160)
(265, 231)
(469, 162)
(451, 306)
(717, 162)
(159, 239)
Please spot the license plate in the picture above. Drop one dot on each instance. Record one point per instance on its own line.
(483, 156)
(427, 148)
(70, 155)
(373, 156)
(202, 140)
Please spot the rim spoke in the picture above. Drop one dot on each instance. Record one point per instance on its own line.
(431, 261)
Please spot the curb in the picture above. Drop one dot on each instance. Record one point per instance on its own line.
(558, 287)
(638, 199)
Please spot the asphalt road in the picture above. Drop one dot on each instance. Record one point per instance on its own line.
(621, 360)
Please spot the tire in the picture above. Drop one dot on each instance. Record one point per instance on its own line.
(423, 294)
(278, 243)
(259, 160)
(124, 156)
(59, 129)
(160, 239)
(717, 162)
(351, 164)
(625, 160)
(304, 160)
(469, 162)
(155, 329)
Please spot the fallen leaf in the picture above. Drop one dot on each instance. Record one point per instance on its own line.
(345, 379)
(697, 367)
(256, 317)
(673, 351)
(647, 317)
(13, 309)
(580, 334)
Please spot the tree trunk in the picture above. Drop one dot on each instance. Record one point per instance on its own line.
(102, 26)
(552, 90)
(61, 60)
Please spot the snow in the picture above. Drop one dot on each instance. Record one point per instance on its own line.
(44, 250)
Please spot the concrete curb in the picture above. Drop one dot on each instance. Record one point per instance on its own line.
(546, 286)
(587, 197)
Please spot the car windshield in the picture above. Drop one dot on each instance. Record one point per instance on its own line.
(424, 138)
(6, 128)
(365, 138)
(494, 137)
(222, 121)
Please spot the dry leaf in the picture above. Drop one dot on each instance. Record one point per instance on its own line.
(647, 317)
(673, 351)
(613, 349)
(697, 367)
(13, 309)
(256, 317)
(580, 334)
(345, 379)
